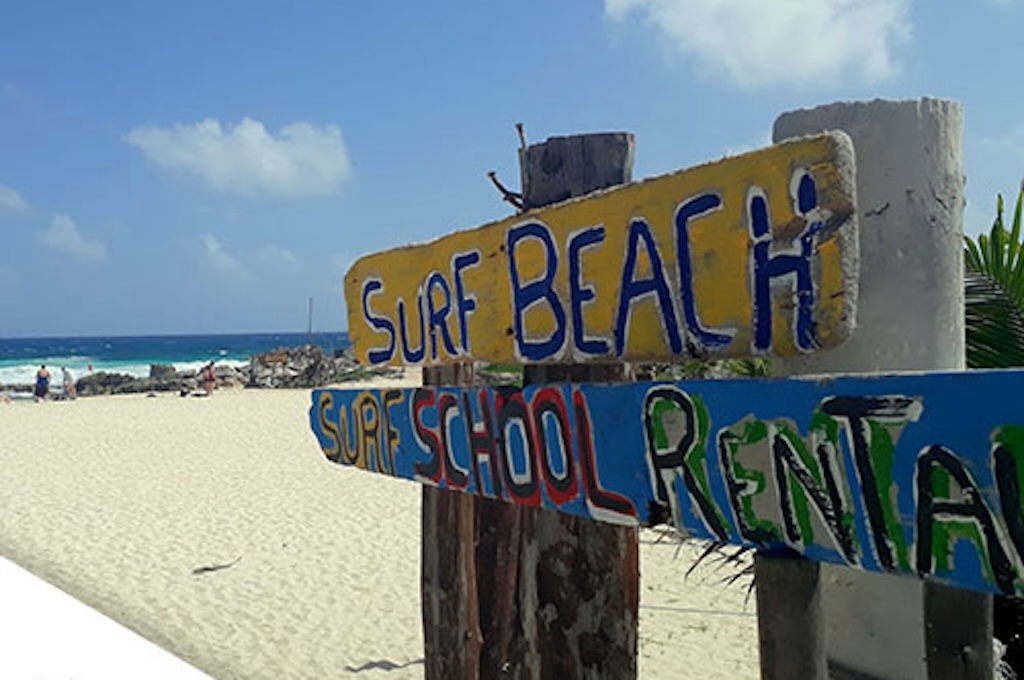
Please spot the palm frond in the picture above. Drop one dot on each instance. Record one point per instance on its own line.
(994, 293)
(1000, 253)
(994, 323)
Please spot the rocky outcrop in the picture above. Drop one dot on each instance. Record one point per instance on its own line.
(120, 383)
(307, 366)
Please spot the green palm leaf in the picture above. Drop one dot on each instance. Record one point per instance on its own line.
(994, 294)
(995, 324)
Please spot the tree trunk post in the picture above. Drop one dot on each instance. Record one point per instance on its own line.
(516, 592)
(910, 316)
(579, 581)
(450, 609)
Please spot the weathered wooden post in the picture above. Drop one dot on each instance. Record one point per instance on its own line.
(579, 587)
(541, 594)
(910, 178)
(448, 578)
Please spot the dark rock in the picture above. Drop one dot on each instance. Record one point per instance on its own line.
(161, 371)
(101, 383)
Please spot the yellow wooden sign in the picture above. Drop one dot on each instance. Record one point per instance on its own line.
(752, 255)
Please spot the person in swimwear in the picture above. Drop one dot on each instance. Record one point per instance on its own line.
(68, 380)
(209, 378)
(42, 383)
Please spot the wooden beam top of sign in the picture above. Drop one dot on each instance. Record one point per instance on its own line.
(752, 255)
(914, 474)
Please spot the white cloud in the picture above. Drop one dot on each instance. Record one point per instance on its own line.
(63, 235)
(761, 43)
(277, 256)
(11, 199)
(302, 160)
(220, 260)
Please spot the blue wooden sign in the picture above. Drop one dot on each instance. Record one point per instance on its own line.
(911, 474)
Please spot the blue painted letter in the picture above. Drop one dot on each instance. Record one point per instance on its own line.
(524, 296)
(695, 207)
(465, 304)
(379, 323)
(768, 266)
(439, 316)
(412, 356)
(579, 293)
(640, 231)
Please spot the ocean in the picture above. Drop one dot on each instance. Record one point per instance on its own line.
(20, 358)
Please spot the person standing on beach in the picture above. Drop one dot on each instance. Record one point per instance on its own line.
(42, 383)
(209, 378)
(68, 379)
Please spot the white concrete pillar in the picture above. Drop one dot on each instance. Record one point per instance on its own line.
(910, 194)
(910, 316)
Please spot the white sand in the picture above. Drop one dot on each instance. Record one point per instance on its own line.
(117, 500)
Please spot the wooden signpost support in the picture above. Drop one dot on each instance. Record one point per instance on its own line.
(586, 573)
(452, 638)
(505, 567)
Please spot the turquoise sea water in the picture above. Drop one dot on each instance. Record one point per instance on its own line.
(20, 358)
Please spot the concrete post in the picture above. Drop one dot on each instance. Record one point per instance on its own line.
(789, 627)
(910, 179)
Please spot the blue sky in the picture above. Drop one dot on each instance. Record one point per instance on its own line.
(205, 167)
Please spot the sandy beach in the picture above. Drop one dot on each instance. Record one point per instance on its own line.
(216, 528)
